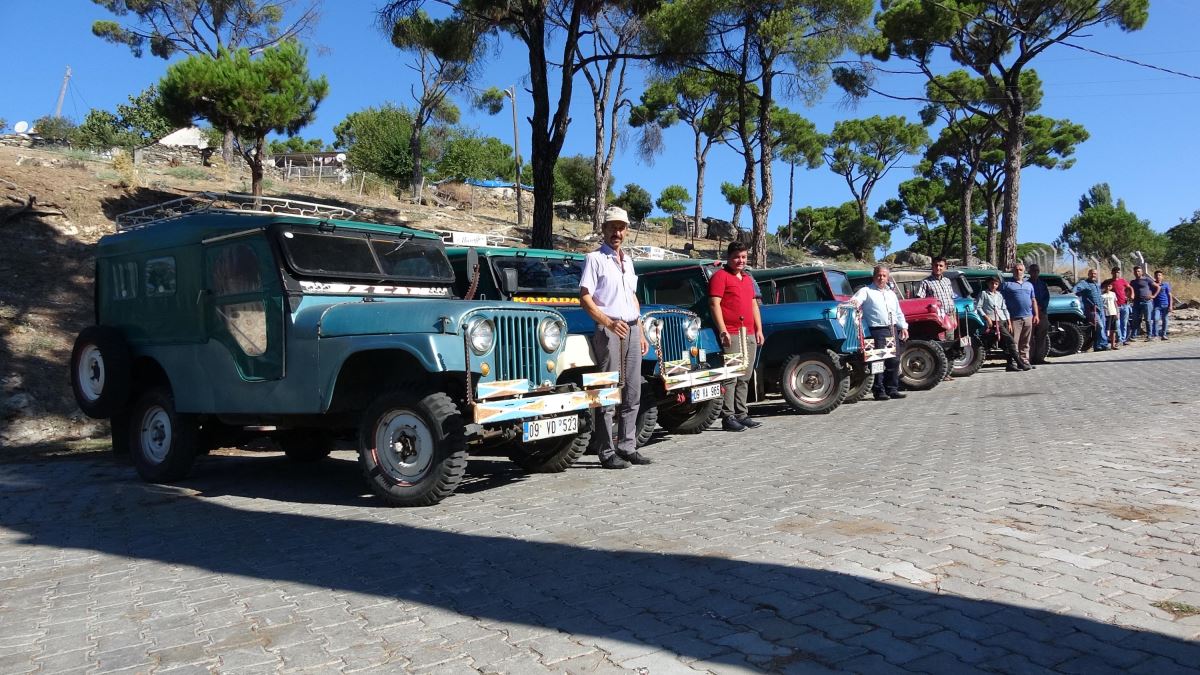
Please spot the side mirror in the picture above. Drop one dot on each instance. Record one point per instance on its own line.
(508, 283)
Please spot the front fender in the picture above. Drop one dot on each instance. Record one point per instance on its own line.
(436, 353)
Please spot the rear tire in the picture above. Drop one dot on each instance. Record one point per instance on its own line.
(971, 361)
(101, 371)
(553, 455)
(412, 450)
(923, 365)
(690, 418)
(813, 383)
(161, 440)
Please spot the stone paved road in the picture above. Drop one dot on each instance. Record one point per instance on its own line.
(1002, 523)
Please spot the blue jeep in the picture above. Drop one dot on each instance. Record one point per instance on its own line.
(683, 372)
(1070, 332)
(218, 315)
(814, 349)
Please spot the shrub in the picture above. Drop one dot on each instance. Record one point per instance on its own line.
(188, 173)
(123, 165)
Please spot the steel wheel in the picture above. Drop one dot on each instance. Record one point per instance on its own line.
(404, 446)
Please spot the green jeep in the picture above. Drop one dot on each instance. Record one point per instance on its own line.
(219, 315)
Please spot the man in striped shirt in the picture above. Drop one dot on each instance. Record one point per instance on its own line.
(938, 286)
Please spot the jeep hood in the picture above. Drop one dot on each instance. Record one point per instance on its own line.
(1065, 304)
(409, 316)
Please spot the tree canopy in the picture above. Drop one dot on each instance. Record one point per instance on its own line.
(1104, 228)
(1183, 244)
(376, 141)
(248, 96)
(636, 201)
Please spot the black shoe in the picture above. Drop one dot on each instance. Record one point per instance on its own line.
(613, 462)
(1026, 366)
(1012, 369)
(1164, 337)
(638, 458)
(748, 422)
(731, 424)
(882, 397)
(896, 394)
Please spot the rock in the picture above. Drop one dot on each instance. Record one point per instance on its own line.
(829, 249)
(19, 404)
(912, 258)
(681, 225)
(715, 228)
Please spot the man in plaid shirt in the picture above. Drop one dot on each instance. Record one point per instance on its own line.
(937, 285)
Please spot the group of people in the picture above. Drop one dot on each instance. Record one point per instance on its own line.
(1111, 304)
(608, 293)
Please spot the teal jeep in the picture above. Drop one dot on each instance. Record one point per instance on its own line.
(684, 371)
(1069, 330)
(218, 315)
(814, 349)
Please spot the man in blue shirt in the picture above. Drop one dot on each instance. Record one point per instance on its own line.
(1144, 289)
(1164, 303)
(1041, 295)
(1023, 310)
(1088, 291)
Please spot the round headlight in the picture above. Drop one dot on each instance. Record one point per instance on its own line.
(653, 328)
(693, 329)
(550, 334)
(481, 335)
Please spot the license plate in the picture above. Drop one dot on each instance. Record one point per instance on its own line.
(964, 341)
(876, 367)
(705, 392)
(536, 430)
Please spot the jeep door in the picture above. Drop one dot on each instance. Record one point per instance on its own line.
(245, 305)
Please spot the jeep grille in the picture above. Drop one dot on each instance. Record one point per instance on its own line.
(674, 342)
(518, 354)
(848, 317)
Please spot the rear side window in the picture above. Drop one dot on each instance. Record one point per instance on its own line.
(125, 280)
(160, 277)
(678, 291)
(234, 271)
(799, 292)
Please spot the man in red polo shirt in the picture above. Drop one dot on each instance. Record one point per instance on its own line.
(731, 294)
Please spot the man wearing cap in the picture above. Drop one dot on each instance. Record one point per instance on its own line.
(608, 293)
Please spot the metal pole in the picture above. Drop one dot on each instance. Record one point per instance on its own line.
(512, 95)
(62, 93)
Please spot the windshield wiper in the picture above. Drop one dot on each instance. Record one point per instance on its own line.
(400, 244)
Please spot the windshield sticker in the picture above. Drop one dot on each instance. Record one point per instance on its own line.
(544, 300)
(367, 289)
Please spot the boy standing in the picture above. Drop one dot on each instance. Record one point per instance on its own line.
(1109, 300)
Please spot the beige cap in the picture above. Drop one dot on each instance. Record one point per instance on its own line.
(616, 214)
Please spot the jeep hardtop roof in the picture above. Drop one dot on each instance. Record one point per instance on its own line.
(513, 251)
(207, 215)
(790, 271)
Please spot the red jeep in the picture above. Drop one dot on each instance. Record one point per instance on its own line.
(932, 331)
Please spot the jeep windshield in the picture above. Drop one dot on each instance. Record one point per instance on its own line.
(366, 256)
(542, 275)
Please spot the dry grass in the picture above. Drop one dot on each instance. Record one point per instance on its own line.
(1186, 288)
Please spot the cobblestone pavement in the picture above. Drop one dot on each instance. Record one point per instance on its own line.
(1004, 523)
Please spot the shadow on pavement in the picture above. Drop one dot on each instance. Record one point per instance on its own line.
(727, 612)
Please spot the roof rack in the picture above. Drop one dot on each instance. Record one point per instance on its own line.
(227, 202)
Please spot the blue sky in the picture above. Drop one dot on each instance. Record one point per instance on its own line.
(1142, 122)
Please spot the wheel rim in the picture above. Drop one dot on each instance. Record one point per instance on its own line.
(917, 364)
(1058, 338)
(812, 382)
(156, 434)
(404, 446)
(968, 355)
(90, 373)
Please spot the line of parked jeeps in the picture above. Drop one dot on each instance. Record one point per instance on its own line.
(220, 317)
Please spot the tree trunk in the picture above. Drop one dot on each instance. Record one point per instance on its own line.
(227, 149)
(991, 218)
(966, 220)
(863, 252)
(256, 167)
(598, 176)
(761, 209)
(701, 167)
(418, 172)
(1013, 150)
(791, 212)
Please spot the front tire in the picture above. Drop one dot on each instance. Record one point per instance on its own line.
(163, 442)
(813, 383)
(412, 450)
(1065, 339)
(553, 455)
(691, 418)
(971, 360)
(923, 365)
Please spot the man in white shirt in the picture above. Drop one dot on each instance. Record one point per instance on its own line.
(882, 319)
(608, 293)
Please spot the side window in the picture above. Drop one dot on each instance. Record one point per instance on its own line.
(677, 291)
(235, 272)
(125, 280)
(160, 277)
(803, 292)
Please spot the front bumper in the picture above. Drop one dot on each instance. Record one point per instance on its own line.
(676, 374)
(516, 400)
